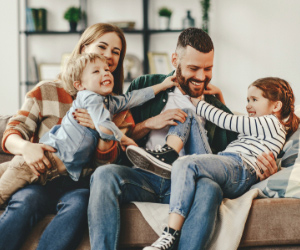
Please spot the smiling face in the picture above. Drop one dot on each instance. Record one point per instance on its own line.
(257, 104)
(193, 70)
(96, 77)
(109, 45)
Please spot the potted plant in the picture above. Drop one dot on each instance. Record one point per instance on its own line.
(205, 11)
(73, 15)
(164, 18)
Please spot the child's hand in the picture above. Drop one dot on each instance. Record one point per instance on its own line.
(169, 82)
(214, 90)
(126, 141)
(195, 101)
(211, 90)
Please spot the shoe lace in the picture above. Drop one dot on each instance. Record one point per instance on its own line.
(164, 241)
(158, 148)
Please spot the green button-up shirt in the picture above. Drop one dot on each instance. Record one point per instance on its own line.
(218, 138)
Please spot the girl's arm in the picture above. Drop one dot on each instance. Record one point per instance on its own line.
(253, 126)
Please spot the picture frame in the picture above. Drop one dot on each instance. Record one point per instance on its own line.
(49, 71)
(159, 63)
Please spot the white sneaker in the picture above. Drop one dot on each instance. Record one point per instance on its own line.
(167, 241)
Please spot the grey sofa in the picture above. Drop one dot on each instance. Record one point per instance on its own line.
(272, 223)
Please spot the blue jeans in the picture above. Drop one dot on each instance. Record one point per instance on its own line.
(63, 197)
(192, 134)
(114, 185)
(202, 181)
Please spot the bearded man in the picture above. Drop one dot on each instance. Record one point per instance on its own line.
(113, 185)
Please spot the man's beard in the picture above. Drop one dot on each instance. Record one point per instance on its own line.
(184, 83)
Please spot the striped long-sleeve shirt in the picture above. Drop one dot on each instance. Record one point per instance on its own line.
(256, 134)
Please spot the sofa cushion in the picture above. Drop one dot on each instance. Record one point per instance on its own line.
(3, 121)
(271, 222)
(286, 182)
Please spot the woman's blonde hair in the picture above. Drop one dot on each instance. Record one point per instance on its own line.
(74, 68)
(92, 33)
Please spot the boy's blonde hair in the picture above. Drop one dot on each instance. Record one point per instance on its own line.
(73, 70)
(96, 31)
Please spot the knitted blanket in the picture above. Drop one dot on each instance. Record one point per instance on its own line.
(230, 223)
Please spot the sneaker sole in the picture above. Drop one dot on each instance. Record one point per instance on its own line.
(143, 160)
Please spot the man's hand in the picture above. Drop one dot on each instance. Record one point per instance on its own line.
(126, 141)
(33, 154)
(83, 118)
(167, 118)
(268, 164)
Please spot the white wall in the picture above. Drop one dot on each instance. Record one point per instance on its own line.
(9, 58)
(253, 39)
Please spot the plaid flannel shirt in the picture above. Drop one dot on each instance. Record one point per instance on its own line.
(45, 106)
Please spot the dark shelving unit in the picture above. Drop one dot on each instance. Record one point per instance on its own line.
(145, 32)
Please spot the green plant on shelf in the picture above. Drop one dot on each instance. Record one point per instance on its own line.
(164, 11)
(205, 4)
(73, 15)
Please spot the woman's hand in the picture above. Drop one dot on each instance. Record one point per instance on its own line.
(83, 118)
(214, 90)
(268, 164)
(126, 141)
(34, 156)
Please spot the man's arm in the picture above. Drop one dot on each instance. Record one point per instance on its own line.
(160, 121)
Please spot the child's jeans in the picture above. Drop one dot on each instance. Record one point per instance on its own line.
(18, 174)
(192, 134)
(227, 170)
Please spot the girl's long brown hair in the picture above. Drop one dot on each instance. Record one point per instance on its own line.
(276, 89)
(92, 33)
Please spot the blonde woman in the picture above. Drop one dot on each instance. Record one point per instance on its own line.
(44, 107)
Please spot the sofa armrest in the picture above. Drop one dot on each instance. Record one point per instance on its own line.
(3, 121)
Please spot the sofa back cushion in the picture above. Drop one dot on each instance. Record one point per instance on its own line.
(3, 121)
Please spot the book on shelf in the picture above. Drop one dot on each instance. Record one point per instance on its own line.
(36, 19)
(33, 71)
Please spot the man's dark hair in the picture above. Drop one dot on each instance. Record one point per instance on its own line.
(196, 38)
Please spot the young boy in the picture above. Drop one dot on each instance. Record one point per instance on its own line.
(89, 75)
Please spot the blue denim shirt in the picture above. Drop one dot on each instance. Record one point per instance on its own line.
(76, 144)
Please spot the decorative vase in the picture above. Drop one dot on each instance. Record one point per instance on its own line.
(164, 23)
(73, 26)
(188, 21)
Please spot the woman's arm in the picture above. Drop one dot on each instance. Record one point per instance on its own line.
(33, 153)
(21, 128)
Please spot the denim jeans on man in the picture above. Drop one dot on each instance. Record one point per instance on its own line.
(63, 197)
(113, 185)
